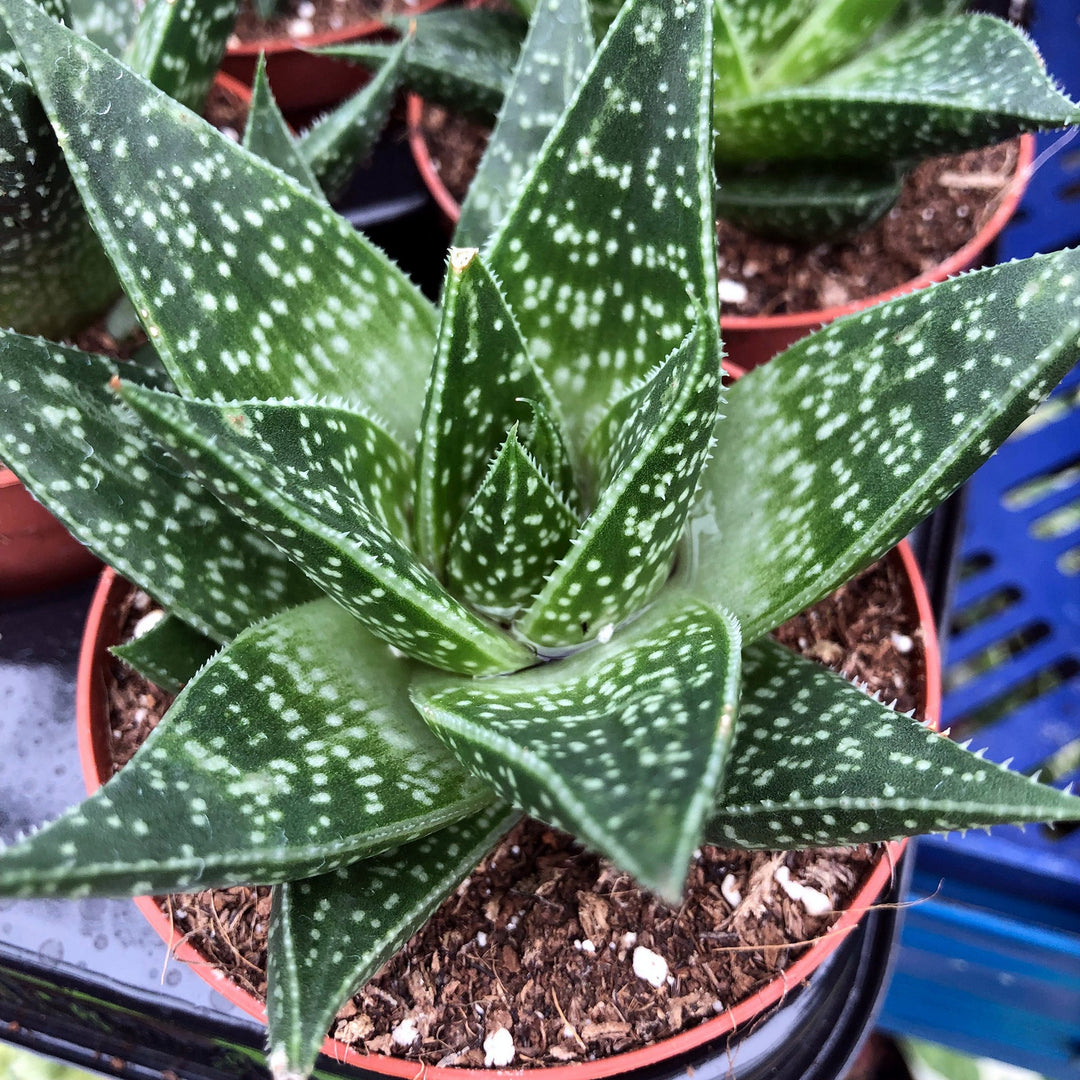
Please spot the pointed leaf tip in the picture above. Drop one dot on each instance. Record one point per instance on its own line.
(461, 257)
(635, 790)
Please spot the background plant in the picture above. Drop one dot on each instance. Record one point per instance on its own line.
(429, 569)
(55, 278)
(821, 107)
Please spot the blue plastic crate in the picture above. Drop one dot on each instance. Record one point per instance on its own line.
(990, 963)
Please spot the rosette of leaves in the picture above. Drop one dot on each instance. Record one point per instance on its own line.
(55, 278)
(821, 107)
(427, 570)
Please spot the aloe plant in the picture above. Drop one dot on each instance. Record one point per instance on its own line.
(55, 277)
(429, 569)
(821, 107)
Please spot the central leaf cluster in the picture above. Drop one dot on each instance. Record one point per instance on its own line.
(498, 500)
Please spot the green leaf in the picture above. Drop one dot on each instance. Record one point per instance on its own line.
(746, 34)
(460, 57)
(178, 45)
(330, 934)
(339, 141)
(553, 59)
(54, 276)
(70, 441)
(109, 24)
(807, 203)
(294, 752)
(836, 448)
(923, 92)
(510, 536)
(247, 285)
(614, 226)
(327, 486)
(829, 34)
(268, 136)
(623, 744)
(481, 383)
(817, 762)
(168, 654)
(653, 447)
(546, 442)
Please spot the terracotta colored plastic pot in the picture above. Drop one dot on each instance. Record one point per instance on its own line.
(301, 80)
(103, 629)
(753, 339)
(36, 551)
(447, 203)
(750, 340)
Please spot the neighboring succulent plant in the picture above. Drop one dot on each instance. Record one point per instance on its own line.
(427, 596)
(821, 107)
(54, 277)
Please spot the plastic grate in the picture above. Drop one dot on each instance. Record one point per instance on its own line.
(990, 954)
(1012, 678)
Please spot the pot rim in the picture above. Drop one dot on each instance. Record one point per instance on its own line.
(365, 27)
(961, 259)
(102, 629)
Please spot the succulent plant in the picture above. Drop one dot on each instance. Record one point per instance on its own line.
(55, 277)
(429, 569)
(821, 107)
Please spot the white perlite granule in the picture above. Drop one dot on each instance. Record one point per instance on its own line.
(731, 292)
(498, 1048)
(729, 890)
(815, 902)
(650, 966)
(405, 1034)
(147, 622)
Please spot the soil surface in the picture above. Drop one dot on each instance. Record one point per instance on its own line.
(540, 904)
(304, 18)
(944, 203)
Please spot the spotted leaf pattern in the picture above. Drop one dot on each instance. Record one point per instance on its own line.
(325, 484)
(922, 92)
(623, 744)
(54, 277)
(168, 654)
(315, 762)
(340, 140)
(830, 32)
(511, 534)
(257, 287)
(482, 381)
(817, 762)
(461, 57)
(654, 443)
(330, 934)
(68, 438)
(311, 740)
(556, 51)
(267, 135)
(607, 243)
(842, 85)
(834, 450)
(178, 45)
(109, 24)
(807, 202)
